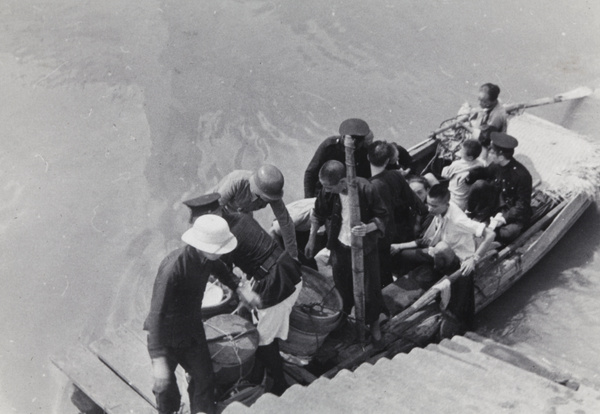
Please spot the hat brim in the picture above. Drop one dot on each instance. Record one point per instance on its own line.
(268, 197)
(227, 247)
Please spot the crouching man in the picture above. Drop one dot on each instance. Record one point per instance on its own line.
(174, 323)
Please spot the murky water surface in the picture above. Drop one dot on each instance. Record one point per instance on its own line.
(115, 111)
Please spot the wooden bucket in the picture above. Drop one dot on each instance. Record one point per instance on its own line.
(315, 314)
(300, 343)
(218, 299)
(232, 343)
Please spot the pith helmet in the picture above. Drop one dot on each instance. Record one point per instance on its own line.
(210, 234)
(267, 182)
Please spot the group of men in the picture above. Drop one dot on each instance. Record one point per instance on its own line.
(446, 228)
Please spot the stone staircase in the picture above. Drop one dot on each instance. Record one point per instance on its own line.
(467, 374)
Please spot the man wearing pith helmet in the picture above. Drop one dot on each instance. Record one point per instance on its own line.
(333, 149)
(174, 323)
(244, 191)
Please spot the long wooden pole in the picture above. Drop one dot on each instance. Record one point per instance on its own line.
(358, 270)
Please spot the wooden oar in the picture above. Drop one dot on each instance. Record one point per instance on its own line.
(576, 93)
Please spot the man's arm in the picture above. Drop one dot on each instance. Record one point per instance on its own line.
(317, 218)
(521, 210)
(288, 231)
(378, 210)
(162, 295)
(469, 264)
(244, 291)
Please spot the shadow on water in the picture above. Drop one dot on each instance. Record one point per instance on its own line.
(562, 275)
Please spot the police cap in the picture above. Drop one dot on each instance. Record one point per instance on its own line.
(503, 140)
(203, 204)
(355, 127)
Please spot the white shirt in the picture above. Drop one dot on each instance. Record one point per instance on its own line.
(457, 230)
(344, 236)
(457, 173)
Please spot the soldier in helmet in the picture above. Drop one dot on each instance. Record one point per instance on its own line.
(333, 149)
(244, 191)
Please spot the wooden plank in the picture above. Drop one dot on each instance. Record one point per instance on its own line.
(557, 229)
(134, 327)
(127, 356)
(100, 383)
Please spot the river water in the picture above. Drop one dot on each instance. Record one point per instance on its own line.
(115, 111)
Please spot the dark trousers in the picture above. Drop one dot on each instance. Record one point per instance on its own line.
(422, 266)
(385, 264)
(483, 204)
(483, 201)
(197, 363)
(341, 263)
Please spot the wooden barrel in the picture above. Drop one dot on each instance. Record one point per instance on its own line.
(232, 343)
(300, 343)
(218, 299)
(315, 314)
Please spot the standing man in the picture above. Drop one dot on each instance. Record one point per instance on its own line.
(174, 323)
(245, 191)
(333, 149)
(493, 118)
(398, 199)
(332, 208)
(501, 192)
(275, 276)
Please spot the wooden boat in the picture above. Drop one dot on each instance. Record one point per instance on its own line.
(114, 372)
(567, 184)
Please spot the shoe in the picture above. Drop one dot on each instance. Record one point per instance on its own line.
(375, 330)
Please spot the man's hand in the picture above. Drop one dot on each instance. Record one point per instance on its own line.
(404, 172)
(248, 296)
(443, 286)
(161, 374)
(360, 230)
(309, 249)
(497, 221)
(468, 266)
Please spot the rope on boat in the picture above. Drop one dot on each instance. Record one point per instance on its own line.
(231, 339)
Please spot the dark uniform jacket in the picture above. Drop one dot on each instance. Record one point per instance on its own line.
(514, 185)
(333, 149)
(400, 201)
(175, 317)
(328, 211)
(274, 271)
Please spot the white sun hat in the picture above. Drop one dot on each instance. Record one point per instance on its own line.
(210, 233)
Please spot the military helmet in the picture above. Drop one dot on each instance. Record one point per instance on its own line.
(267, 182)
